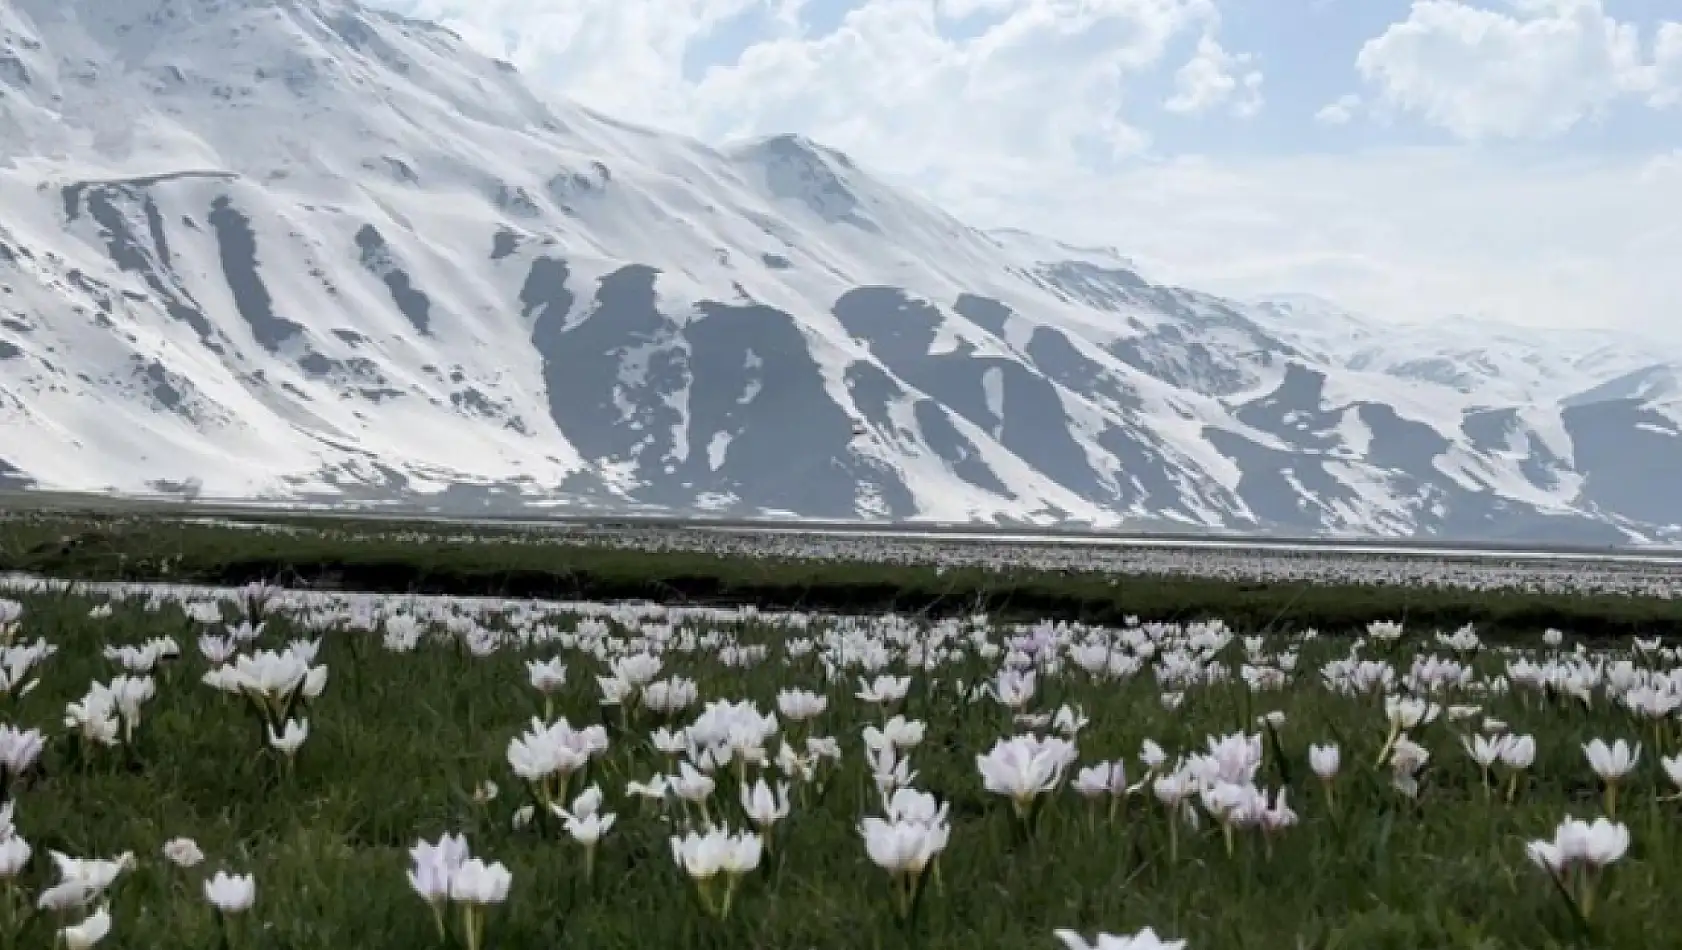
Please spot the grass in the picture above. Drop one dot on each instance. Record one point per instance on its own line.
(398, 741)
(508, 563)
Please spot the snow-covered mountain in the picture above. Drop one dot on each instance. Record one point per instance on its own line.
(289, 248)
(1495, 360)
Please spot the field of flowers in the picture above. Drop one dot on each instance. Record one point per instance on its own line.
(1251, 589)
(254, 767)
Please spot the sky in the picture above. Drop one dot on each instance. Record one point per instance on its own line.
(1513, 160)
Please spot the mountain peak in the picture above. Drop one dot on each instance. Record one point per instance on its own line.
(792, 147)
(795, 168)
(296, 91)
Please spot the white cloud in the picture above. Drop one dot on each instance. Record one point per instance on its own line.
(1667, 66)
(1044, 81)
(1407, 234)
(625, 57)
(958, 9)
(1485, 74)
(1339, 112)
(1213, 77)
(1002, 123)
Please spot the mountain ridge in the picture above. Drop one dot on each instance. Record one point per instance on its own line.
(299, 248)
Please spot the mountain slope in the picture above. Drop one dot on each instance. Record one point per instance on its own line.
(297, 248)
